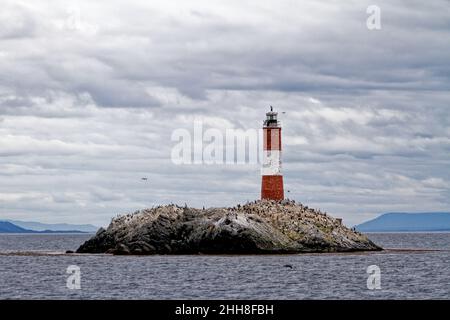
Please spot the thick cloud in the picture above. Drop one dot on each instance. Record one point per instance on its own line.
(90, 94)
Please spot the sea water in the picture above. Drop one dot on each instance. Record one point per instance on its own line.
(32, 266)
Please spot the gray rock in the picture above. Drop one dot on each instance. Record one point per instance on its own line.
(256, 227)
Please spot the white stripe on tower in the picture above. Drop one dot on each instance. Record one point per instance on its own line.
(271, 163)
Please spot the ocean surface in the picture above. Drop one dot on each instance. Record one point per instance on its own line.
(32, 267)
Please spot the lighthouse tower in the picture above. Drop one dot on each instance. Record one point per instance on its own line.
(272, 179)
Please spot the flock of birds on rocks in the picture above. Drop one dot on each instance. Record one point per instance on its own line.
(287, 214)
(266, 225)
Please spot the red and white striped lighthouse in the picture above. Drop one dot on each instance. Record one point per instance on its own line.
(272, 179)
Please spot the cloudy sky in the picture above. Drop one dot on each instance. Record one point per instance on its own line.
(90, 94)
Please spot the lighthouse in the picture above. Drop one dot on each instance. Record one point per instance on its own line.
(272, 179)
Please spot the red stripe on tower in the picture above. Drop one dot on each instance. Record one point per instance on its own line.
(272, 179)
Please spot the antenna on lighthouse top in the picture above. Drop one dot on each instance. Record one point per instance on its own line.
(271, 118)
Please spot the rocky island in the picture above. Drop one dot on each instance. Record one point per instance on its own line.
(259, 227)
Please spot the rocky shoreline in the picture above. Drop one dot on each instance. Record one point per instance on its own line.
(260, 227)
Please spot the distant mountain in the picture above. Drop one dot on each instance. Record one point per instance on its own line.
(38, 226)
(8, 227)
(402, 221)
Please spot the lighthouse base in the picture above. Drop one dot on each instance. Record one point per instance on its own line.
(272, 187)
